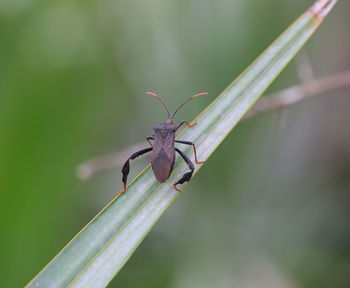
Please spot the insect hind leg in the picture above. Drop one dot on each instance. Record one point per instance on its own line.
(126, 166)
(188, 175)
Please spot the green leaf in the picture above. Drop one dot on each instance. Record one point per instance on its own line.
(101, 249)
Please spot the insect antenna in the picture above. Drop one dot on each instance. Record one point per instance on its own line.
(160, 99)
(183, 103)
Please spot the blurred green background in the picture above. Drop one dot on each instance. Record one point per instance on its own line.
(271, 206)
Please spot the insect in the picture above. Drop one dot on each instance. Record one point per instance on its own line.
(163, 148)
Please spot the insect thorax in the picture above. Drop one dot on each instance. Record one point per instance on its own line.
(164, 128)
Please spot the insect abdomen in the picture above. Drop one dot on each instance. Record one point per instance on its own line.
(162, 166)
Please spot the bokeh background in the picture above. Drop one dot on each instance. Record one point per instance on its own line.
(271, 206)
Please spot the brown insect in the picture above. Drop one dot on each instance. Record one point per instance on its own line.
(163, 149)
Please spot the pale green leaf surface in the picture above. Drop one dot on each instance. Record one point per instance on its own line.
(101, 249)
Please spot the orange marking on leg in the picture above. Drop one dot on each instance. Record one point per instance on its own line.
(195, 155)
(122, 191)
(176, 188)
(189, 125)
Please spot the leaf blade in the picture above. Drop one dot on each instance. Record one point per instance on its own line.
(101, 249)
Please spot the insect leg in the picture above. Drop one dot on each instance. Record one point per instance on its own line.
(187, 176)
(126, 167)
(150, 138)
(194, 149)
(184, 121)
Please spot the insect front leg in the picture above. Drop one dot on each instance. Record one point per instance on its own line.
(187, 176)
(126, 166)
(150, 138)
(184, 121)
(194, 149)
